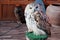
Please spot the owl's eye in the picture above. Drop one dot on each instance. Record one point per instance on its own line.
(30, 7)
(36, 7)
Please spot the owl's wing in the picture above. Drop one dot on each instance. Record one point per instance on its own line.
(47, 25)
(39, 20)
(43, 23)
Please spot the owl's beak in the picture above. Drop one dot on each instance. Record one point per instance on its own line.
(34, 10)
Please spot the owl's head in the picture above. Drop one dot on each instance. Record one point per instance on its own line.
(33, 7)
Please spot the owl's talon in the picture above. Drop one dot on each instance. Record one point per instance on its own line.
(30, 31)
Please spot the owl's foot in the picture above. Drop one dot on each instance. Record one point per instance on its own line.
(30, 30)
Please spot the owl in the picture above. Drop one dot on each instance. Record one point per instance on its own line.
(35, 20)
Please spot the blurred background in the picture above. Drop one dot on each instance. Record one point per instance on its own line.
(9, 29)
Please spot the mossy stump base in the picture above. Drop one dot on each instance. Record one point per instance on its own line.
(31, 36)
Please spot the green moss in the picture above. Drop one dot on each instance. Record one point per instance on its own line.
(31, 36)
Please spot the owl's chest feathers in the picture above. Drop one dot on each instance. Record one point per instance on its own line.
(30, 19)
(34, 24)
